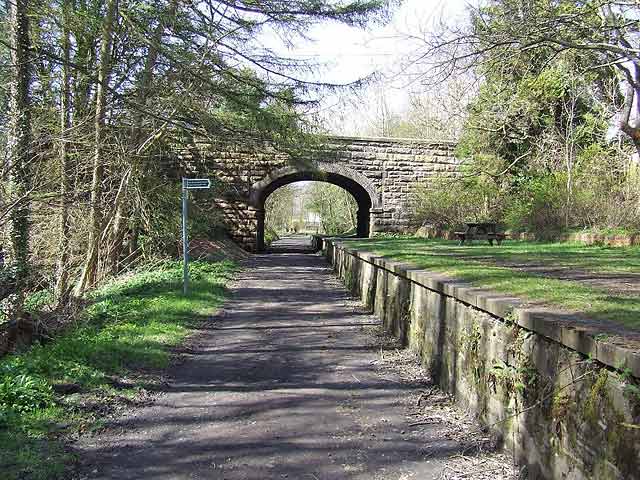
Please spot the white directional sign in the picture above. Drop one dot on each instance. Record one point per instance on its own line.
(196, 183)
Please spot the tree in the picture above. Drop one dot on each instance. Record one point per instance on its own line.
(116, 87)
(279, 209)
(336, 207)
(19, 153)
(88, 274)
(503, 34)
(132, 175)
(62, 273)
(536, 133)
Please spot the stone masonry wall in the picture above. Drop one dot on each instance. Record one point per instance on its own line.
(564, 401)
(391, 167)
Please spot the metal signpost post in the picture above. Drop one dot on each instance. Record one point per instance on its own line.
(189, 184)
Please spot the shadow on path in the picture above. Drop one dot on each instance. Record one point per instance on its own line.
(279, 385)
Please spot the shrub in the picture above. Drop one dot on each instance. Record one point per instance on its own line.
(450, 203)
(541, 203)
(537, 205)
(270, 235)
(605, 195)
(23, 393)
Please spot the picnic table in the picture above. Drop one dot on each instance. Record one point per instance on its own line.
(480, 231)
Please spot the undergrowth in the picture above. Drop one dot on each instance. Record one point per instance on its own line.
(129, 326)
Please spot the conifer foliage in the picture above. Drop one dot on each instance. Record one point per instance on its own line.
(95, 95)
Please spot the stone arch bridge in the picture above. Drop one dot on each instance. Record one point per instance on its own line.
(380, 173)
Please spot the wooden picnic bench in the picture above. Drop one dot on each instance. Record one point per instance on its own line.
(480, 231)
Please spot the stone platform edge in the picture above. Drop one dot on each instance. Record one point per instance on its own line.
(572, 334)
(564, 402)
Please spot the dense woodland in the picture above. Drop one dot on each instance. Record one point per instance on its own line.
(95, 98)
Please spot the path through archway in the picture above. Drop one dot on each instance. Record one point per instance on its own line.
(357, 185)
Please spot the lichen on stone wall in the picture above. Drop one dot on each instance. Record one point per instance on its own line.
(607, 424)
(349, 280)
(470, 342)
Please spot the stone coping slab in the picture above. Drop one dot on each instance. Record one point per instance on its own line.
(426, 141)
(599, 340)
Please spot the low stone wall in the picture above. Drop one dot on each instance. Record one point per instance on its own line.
(582, 237)
(563, 400)
(601, 239)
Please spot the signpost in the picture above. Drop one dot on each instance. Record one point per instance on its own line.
(189, 184)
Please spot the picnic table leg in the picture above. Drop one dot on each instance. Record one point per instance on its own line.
(490, 240)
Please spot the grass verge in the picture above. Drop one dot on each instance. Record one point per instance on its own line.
(480, 265)
(128, 328)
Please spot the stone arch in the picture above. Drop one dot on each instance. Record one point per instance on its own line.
(358, 185)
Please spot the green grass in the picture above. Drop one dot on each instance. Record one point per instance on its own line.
(480, 265)
(129, 326)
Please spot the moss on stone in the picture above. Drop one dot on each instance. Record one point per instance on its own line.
(596, 395)
(349, 279)
(470, 341)
(559, 405)
(518, 376)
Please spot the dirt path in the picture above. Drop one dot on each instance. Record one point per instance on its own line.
(282, 384)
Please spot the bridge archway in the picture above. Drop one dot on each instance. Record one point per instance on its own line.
(360, 187)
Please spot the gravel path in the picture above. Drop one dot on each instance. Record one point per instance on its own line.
(281, 384)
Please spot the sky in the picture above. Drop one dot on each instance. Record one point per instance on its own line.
(352, 53)
(349, 54)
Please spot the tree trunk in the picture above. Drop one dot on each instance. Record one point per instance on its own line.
(85, 58)
(630, 117)
(19, 153)
(119, 223)
(62, 274)
(89, 270)
(123, 209)
(628, 67)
